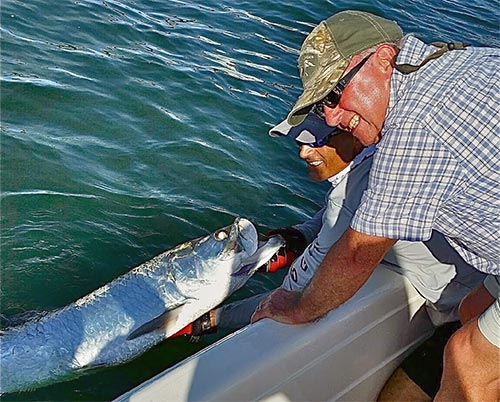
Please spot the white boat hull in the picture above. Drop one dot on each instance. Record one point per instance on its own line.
(346, 356)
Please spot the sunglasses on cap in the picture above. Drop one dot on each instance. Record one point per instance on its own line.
(332, 99)
(322, 141)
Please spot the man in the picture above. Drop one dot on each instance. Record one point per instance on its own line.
(433, 110)
(338, 157)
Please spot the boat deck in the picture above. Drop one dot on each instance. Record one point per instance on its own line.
(346, 355)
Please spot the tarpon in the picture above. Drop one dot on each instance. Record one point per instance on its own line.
(134, 312)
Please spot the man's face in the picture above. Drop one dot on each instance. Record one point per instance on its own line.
(328, 160)
(363, 104)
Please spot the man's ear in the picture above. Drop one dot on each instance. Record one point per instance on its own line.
(384, 56)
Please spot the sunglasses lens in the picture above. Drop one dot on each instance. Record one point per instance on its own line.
(333, 98)
(323, 141)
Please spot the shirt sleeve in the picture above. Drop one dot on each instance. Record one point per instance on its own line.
(411, 178)
(311, 227)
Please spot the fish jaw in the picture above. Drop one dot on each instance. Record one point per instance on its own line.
(248, 237)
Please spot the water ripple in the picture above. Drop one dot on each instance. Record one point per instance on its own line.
(34, 80)
(7, 194)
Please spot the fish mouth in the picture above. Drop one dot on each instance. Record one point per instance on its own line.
(264, 253)
(247, 235)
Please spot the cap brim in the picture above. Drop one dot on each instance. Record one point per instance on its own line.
(313, 128)
(316, 90)
(280, 129)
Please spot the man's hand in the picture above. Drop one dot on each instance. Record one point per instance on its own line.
(346, 267)
(279, 306)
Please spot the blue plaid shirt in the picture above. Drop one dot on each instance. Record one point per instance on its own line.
(437, 165)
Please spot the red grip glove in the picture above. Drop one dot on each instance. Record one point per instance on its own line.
(280, 260)
(294, 246)
(201, 326)
(187, 330)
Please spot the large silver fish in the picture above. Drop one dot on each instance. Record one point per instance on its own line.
(124, 318)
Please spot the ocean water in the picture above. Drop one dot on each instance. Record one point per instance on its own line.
(130, 126)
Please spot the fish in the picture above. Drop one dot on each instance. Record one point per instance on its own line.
(134, 312)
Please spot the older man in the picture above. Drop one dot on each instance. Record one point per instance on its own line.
(439, 274)
(434, 112)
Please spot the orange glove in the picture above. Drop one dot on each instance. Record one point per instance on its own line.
(294, 246)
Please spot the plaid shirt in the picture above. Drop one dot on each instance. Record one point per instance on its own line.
(437, 165)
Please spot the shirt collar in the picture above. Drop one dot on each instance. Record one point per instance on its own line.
(413, 51)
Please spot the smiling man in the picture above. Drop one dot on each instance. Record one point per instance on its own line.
(434, 112)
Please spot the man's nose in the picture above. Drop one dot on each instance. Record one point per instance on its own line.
(305, 150)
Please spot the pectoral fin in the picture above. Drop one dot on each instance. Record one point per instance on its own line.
(162, 322)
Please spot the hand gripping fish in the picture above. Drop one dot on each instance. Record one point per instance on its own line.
(134, 312)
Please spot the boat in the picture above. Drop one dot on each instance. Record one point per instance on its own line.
(345, 356)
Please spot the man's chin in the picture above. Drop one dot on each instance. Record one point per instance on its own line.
(316, 176)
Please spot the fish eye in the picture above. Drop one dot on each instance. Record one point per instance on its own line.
(221, 235)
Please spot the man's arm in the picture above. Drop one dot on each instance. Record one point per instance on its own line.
(347, 266)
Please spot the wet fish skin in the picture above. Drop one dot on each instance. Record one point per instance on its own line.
(186, 281)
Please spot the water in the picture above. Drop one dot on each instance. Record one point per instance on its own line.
(131, 126)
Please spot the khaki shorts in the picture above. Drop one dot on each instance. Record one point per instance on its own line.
(489, 321)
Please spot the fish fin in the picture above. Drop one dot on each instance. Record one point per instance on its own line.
(267, 248)
(162, 322)
(245, 270)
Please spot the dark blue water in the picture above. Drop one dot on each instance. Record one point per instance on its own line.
(131, 126)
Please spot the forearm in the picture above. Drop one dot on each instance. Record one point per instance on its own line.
(345, 268)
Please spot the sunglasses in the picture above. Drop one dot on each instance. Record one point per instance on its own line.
(332, 99)
(322, 141)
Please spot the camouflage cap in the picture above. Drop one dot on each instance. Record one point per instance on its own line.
(328, 49)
